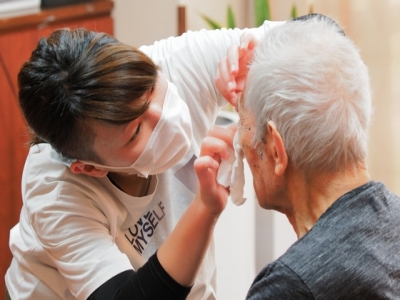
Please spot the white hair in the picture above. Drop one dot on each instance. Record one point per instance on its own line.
(309, 79)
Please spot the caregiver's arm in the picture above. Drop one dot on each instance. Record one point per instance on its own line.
(171, 272)
(183, 252)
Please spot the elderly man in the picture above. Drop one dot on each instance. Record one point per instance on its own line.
(304, 115)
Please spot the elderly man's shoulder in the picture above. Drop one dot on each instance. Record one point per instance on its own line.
(350, 253)
(278, 281)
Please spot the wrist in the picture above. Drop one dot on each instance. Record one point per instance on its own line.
(210, 211)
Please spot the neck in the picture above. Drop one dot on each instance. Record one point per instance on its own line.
(309, 198)
(132, 185)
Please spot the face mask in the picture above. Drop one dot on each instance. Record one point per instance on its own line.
(169, 142)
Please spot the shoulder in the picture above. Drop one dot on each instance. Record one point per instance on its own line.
(43, 164)
(341, 247)
(48, 183)
(278, 281)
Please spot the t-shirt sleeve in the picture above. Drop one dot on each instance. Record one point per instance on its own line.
(150, 282)
(277, 281)
(190, 62)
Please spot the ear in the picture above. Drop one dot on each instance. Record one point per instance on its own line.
(277, 148)
(79, 167)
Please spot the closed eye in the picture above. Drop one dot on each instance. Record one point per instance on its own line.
(136, 132)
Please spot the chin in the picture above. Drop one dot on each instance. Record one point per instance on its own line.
(263, 202)
(269, 205)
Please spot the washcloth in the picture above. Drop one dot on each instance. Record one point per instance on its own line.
(231, 172)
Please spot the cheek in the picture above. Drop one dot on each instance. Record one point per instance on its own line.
(260, 189)
(251, 154)
(253, 160)
(149, 121)
(152, 116)
(261, 172)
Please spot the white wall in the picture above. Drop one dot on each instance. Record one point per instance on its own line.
(236, 247)
(143, 22)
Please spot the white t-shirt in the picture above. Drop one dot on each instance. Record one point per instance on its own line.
(76, 232)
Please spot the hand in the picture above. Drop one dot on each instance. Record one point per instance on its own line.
(232, 69)
(214, 147)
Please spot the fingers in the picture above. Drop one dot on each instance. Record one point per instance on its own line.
(215, 147)
(204, 166)
(233, 59)
(232, 69)
(248, 41)
(225, 77)
(213, 195)
(224, 134)
(246, 50)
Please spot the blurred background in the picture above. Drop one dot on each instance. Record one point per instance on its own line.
(247, 237)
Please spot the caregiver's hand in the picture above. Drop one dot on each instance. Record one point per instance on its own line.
(191, 237)
(232, 69)
(214, 147)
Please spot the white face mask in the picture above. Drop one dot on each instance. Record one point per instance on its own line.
(169, 142)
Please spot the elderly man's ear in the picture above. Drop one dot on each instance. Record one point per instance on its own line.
(277, 148)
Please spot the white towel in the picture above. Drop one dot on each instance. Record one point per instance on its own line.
(231, 172)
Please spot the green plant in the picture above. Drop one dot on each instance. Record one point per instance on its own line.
(215, 25)
(294, 12)
(261, 9)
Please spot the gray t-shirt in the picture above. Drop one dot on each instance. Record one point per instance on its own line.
(352, 252)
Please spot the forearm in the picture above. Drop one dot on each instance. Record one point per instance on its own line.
(182, 253)
(150, 282)
(171, 273)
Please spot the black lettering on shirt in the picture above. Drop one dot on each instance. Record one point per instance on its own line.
(138, 246)
(145, 227)
(148, 229)
(161, 214)
(152, 220)
(134, 234)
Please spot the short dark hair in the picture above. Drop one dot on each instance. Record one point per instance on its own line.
(76, 75)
